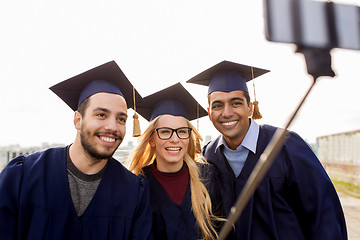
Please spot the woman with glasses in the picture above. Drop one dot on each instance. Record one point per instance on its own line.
(180, 184)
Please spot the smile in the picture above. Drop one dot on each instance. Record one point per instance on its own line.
(108, 139)
(229, 123)
(173, 149)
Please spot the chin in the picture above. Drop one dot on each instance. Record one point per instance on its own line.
(172, 159)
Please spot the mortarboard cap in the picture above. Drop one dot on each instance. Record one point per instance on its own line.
(174, 100)
(104, 78)
(227, 77)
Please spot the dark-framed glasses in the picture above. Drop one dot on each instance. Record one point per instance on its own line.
(166, 133)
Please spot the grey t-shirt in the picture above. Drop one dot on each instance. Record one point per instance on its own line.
(82, 186)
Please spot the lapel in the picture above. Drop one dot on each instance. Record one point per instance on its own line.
(178, 219)
(57, 183)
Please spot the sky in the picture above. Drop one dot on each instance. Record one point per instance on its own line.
(157, 44)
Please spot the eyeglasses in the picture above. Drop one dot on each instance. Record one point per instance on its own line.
(166, 133)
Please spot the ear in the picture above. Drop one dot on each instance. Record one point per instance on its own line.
(77, 120)
(151, 142)
(208, 110)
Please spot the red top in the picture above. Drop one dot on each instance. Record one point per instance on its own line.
(174, 184)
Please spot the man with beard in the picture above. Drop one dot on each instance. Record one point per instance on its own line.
(295, 199)
(80, 191)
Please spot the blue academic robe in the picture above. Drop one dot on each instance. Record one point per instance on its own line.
(36, 204)
(174, 222)
(295, 200)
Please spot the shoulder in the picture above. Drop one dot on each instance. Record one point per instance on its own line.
(211, 146)
(124, 175)
(26, 165)
(267, 131)
(31, 161)
(207, 171)
(293, 140)
(13, 168)
(147, 171)
(119, 169)
(206, 168)
(296, 144)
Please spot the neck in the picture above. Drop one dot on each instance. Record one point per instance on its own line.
(234, 142)
(85, 163)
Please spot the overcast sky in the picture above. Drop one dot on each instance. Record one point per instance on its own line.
(157, 44)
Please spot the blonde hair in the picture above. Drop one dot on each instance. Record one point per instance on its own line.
(144, 155)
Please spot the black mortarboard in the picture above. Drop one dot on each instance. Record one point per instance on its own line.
(227, 76)
(174, 100)
(104, 78)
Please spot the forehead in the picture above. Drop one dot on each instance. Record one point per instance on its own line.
(110, 101)
(171, 121)
(225, 96)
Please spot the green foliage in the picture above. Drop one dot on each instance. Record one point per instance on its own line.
(347, 188)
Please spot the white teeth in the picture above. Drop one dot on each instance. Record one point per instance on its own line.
(173, 149)
(229, 123)
(107, 139)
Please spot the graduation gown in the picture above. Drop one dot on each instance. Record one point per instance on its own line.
(295, 200)
(36, 204)
(174, 222)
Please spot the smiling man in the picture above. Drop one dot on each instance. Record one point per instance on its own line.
(296, 199)
(80, 191)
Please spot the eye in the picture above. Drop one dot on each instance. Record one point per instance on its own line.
(100, 114)
(165, 131)
(122, 119)
(237, 103)
(216, 106)
(182, 130)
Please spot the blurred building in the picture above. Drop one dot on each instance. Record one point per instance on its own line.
(341, 147)
(7, 153)
(340, 155)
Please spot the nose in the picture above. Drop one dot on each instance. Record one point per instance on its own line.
(174, 137)
(111, 124)
(227, 112)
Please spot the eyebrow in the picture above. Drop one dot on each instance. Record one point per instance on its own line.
(216, 102)
(101, 109)
(107, 111)
(231, 100)
(237, 99)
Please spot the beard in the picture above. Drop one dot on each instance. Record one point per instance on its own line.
(90, 148)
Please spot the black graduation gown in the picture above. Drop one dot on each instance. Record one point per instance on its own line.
(36, 204)
(295, 200)
(174, 222)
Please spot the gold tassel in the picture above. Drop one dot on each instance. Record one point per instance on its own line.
(256, 113)
(136, 123)
(136, 126)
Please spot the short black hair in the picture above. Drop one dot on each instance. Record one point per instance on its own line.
(83, 106)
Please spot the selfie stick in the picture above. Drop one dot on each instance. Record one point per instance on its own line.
(319, 64)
